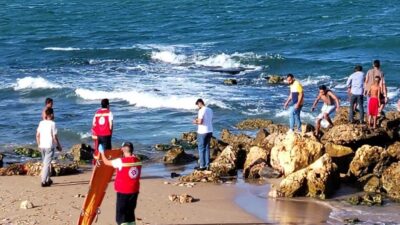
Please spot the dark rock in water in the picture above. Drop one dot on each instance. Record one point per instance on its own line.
(368, 199)
(372, 183)
(189, 136)
(177, 155)
(162, 147)
(369, 159)
(29, 152)
(253, 124)
(355, 136)
(349, 221)
(268, 172)
(275, 79)
(82, 152)
(1, 160)
(226, 70)
(319, 179)
(230, 81)
(201, 176)
(391, 181)
(173, 175)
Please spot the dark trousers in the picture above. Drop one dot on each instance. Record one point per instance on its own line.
(105, 141)
(359, 99)
(126, 204)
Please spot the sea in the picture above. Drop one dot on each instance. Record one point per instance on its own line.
(153, 59)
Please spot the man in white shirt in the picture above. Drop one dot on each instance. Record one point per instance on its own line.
(204, 134)
(46, 136)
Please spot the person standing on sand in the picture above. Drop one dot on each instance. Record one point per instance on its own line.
(103, 125)
(331, 102)
(46, 136)
(356, 83)
(48, 105)
(369, 80)
(297, 97)
(374, 92)
(126, 184)
(204, 134)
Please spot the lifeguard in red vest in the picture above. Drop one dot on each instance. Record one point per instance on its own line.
(103, 125)
(127, 183)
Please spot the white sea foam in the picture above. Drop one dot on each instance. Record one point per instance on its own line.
(146, 100)
(61, 49)
(84, 135)
(314, 80)
(34, 83)
(303, 115)
(393, 92)
(169, 57)
(221, 60)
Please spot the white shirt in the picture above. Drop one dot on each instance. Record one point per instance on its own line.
(206, 114)
(47, 130)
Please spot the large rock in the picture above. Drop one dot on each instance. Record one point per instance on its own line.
(341, 155)
(58, 168)
(294, 153)
(216, 147)
(391, 181)
(275, 79)
(391, 123)
(82, 152)
(394, 151)
(241, 141)
(29, 152)
(319, 180)
(369, 159)
(177, 155)
(13, 169)
(229, 161)
(342, 116)
(256, 160)
(355, 136)
(277, 128)
(201, 176)
(253, 124)
(260, 138)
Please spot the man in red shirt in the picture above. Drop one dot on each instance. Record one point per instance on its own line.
(103, 125)
(128, 169)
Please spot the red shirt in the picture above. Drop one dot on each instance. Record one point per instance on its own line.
(101, 122)
(128, 176)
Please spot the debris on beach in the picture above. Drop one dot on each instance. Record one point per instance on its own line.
(79, 196)
(184, 198)
(349, 221)
(368, 199)
(201, 176)
(26, 205)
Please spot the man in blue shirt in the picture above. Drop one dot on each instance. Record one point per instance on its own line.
(356, 85)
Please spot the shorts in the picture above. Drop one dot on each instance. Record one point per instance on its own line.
(373, 106)
(126, 205)
(326, 109)
(105, 141)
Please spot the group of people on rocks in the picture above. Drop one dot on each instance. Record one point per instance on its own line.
(372, 85)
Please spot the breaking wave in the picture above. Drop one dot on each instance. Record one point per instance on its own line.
(34, 83)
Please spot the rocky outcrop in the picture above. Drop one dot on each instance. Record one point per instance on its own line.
(260, 138)
(256, 160)
(277, 128)
(253, 124)
(394, 151)
(13, 169)
(177, 155)
(369, 159)
(230, 82)
(28, 152)
(391, 181)
(229, 161)
(391, 124)
(241, 141)
(341, 155)
(319, 180)
(189, 136)
(355, 136)
(82, 152)
(275, 79)
(201, 176)
(31, 168)
(368, 199)
(295, 152)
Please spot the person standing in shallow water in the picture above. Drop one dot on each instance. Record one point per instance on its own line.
(204, 134)
(355, 83)
(296, 96)
(331, 102)
(103, 125)
(48, 105)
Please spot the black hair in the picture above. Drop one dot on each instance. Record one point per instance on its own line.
(377, 63)
(323, 87)
(129, 145)
(48, 100)
(358, 68)
(200, 101)
(290, 75)
(49, 111)
(105, 103)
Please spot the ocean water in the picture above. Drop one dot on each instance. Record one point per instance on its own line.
(151, 59)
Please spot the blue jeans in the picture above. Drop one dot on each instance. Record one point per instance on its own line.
(203, 145)
(360, 102)
(294, 116)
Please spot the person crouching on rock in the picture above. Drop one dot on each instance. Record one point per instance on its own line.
(126, 184)
(204, 134)
(331, 102)
(374, 103)
(46, 136)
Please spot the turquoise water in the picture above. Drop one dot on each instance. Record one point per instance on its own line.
(151, 58)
